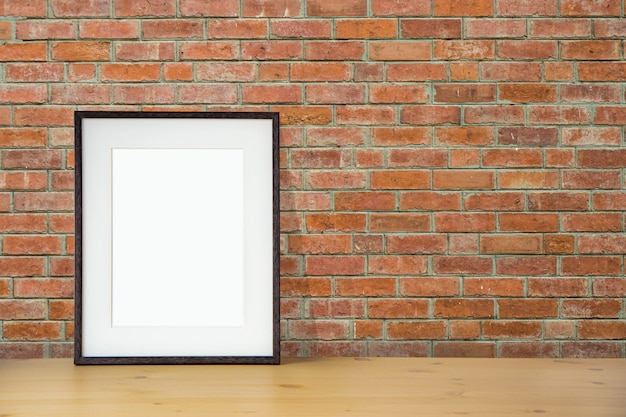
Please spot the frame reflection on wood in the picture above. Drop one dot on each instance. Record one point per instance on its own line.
(176, 238)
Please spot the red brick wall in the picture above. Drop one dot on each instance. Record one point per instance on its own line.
(452, 170)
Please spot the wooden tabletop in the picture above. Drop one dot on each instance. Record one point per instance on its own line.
(380, 387)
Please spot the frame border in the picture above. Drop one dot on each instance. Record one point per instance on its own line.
(79, 359)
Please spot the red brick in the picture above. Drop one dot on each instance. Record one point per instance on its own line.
(319, 158)
(80, 94)
(271, 50)
(527, 49)
(463, 180)
(212, 50)
(40, 72)
(592, 222)
(398, 349)
(514, 244)
(511, 71)
(427, 71)
(390, 308)
(209, 93)
(463, 308)
(591, 350)
(270, 71)
(45, 29)
(560, 28)
(335, 136)
(394, 180)
(462, 265)
(610, 115)
(313, 201)
(32, 159)
(150, 51)
(417, 243)
(528, 93)
(473, 136)
(557, 287)
(202, 8)
(178, 71)
(602, 71)
(335, 94)
(5, 287)
(271, 8)
(23, 223)
(18, 8)
(305, 29)
(464, 222)
(6, 30)
(271, 93)
(416, 330)
(335, 265)
(587, 179)
(609, 28)
(335, 9)
(464, 158)
(102, 29)
(310, 287)
(336, 308)
(399, 222)
(465, 349)
(494, 114)
(368, 71)
(559, 329)
(558, 71)
(464, 329)
(397, 264)
(558, 201)
(503, 287)
(430, 28)
(530, 265)
(344, 222)
(590, 93)
(335, 180)
(320, 244)
(591, 265)
(524, 158)
(44, 201)
(152, 8)
(429, 287)
(609, 287)
(68, 8)
(320, 72)
(43, 288)
(368, 287)
(399, 51)
(336, 51)
(428, 200)
(590, 50)
(335, 349)
(528, 350)
(465, 93)
(166, 28)
(366, 28)
(586, 8)
(369, 158)
(558, 244)
(511, 329)
(61, 223)
(528, 136)
(496, 28)
(61, 309)
(368, 244)
(400, 8)
(527, 8)
(22, 137)
(494, 201)
(463, 8)
(528, 308)
(43, 116)
(610, 201)
(591, 308)
(32, 245)
(365, 115)
(527, 222)
(464, 49)
(418, 158)
(17, 330)
(601, 329)
(22, 309)
(463, 243)
(528, 179)
(599, 136)
(400, 136)
(62, 267)
(464, 71)
(81, 51)
(318, 329)
(22, 93)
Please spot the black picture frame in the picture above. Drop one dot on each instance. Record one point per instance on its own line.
(113, 152)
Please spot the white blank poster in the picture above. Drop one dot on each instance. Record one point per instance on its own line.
(177, 237)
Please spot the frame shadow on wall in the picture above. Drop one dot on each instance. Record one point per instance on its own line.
(177, 238)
